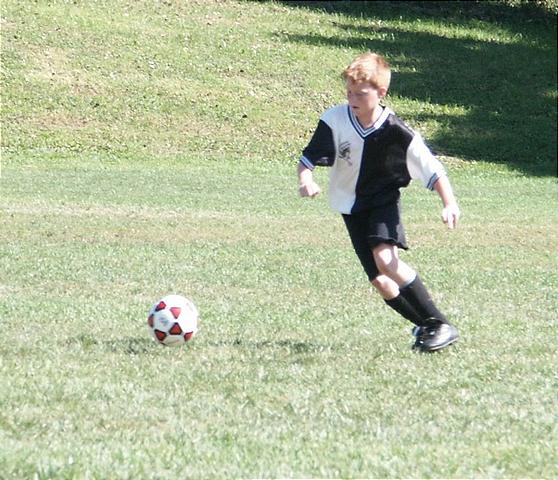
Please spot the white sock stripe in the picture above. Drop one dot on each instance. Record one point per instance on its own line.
(408, 282)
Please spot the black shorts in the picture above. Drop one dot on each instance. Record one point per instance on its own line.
(373, 227)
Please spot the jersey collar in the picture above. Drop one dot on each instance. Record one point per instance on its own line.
(364, 132)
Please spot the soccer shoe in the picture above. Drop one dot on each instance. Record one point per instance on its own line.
(416, 331)
(435, 337)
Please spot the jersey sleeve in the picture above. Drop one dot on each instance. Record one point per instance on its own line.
(321, 149)
(422, 164)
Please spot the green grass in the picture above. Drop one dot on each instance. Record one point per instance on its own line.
(150, 148)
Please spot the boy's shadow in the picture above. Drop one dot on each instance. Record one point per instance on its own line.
(293, 346)
(138, 345)
(129, 345)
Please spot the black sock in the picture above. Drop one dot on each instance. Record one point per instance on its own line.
(418, 297)
(403, 308)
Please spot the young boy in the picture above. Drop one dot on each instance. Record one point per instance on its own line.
(372, 154)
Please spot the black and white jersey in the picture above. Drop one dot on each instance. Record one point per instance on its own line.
(369, 165)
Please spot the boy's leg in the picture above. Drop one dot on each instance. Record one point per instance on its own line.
(357, 226)
(410, 285)
(386, 258)
(417, 295)
(436, 332)
(389, 290)
(404, 308)
(359, 232)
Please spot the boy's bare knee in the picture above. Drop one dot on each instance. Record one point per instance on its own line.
(386, 258)
(386, 286)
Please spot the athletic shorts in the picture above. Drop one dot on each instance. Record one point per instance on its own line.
(370, 228)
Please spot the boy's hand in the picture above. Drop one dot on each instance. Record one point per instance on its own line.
(450, 215)
(309, 189)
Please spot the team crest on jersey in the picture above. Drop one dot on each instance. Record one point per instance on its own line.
(344, 152)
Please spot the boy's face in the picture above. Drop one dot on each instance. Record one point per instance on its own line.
(363, 97)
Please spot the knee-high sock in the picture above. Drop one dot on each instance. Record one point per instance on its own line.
(403, 308)
(418, 297)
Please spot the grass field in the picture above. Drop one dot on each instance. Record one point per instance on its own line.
(150, 148)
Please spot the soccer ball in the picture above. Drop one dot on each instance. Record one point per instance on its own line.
(173, 320)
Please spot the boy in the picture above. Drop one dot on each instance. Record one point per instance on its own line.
(372, 154)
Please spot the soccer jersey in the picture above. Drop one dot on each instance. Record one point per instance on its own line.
(369, 165)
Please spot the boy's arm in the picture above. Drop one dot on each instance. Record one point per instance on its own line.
(426, 167)
(307, 187)
(450, 213)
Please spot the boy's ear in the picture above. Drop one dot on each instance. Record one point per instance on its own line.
(382, 91)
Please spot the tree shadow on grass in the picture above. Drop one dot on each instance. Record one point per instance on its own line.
(507, 90)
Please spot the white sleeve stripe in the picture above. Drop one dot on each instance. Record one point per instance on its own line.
(307, 163)
(433, 179)
(422, 165)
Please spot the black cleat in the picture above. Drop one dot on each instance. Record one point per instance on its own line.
(435, 337)
(416, 330)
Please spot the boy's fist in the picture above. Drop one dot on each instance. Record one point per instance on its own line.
(450, 215)
(309, 189)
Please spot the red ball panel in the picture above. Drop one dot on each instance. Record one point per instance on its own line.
(175, 329)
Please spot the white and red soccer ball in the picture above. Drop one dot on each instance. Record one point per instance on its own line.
(173, 320)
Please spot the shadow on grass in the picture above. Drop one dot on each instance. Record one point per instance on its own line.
(129, 345)
(132, 345)
(507, 89)
(293, 346)
(144, 344)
